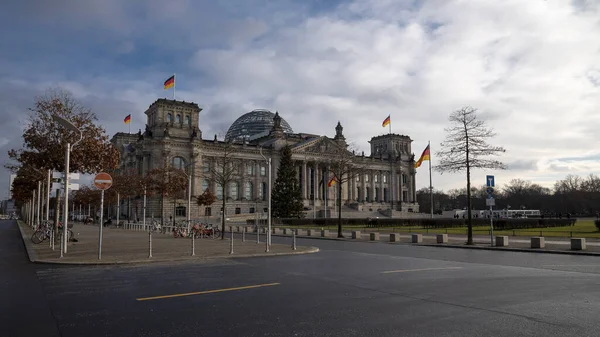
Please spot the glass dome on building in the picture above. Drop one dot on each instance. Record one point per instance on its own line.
(254, 124)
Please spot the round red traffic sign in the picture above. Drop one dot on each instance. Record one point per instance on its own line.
(103, 181)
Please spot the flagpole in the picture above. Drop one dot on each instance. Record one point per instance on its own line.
(430, 181)
(174, 86)
(392, 158)
(325, 198)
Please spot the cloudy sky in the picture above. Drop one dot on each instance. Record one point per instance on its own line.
(532, 68)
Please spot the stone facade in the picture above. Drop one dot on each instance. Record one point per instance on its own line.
(172, 137)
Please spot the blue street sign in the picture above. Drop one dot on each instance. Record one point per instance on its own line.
(489, 180)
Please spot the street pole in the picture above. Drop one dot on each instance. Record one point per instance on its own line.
(48, 188)
(491, 226)
(189, 208)
(269, 213)
(268, 237)
(118, 209)
(101, 225)
(39, 200)
(256, 221)
(66, 212)
(33, 210)
(144, 209)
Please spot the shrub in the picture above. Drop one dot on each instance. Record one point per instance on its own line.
(597, 223)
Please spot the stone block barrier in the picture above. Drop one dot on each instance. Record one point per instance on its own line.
(394, 237)
(502, 241)
(538, 242)
(325, 233)
(356, 235)
(416, 238)
(374, 236)
(442, 238)
(578, 244)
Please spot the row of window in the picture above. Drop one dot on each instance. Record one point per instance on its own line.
(179, 163)
(180, 211)
(187, 120)
(249, 169)
(377, 197)
(234, 190)
(376, 178)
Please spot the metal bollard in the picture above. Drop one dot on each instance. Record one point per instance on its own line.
(193, 244)
(61, 246)
(293, 240)
(257, 235)
(231, 244)
(243, 234)
(149, 244)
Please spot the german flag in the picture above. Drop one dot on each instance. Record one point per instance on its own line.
(127, 119)
(386, 121)
(331, 182)
(170, 82)
(424, 156)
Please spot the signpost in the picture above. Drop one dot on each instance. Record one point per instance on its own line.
(59, 180)
(102, 181)
(490, 182)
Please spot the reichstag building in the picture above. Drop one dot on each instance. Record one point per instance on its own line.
(172, 137)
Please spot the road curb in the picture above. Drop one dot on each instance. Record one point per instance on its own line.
(311, 250)
(520, 250)
(31, 254)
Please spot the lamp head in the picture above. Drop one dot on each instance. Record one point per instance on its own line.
(65, 123)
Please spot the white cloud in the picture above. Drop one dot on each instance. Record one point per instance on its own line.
(532, 68)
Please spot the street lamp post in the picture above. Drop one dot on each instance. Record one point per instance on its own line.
(268, 161)
(189, 206)
(33, 210)
(39, 206)
(48, 187)
(69, 126)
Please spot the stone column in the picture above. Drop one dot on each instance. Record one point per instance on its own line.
(327, 195)
(242, 183)
(144, 165)
(304, 181)
(256, 180)
(381, 194)
(401, 196)
(315, 183)
(413, 186)
(363, 192)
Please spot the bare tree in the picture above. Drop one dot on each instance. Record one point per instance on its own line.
(466, 148)
(224, 169)
(167, 181)
(344, 167)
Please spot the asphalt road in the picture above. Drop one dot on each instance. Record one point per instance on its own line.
(347, 289)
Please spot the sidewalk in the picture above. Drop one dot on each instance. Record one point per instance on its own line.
(121, 246)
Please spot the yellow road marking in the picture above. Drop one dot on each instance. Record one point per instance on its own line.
(411, 270)
(207, 292)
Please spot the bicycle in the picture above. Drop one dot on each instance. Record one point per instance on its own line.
(180, 231)
(207, 231)
(44, 232)
(155, 226)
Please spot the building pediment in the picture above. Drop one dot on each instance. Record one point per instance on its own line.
(320, 145)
